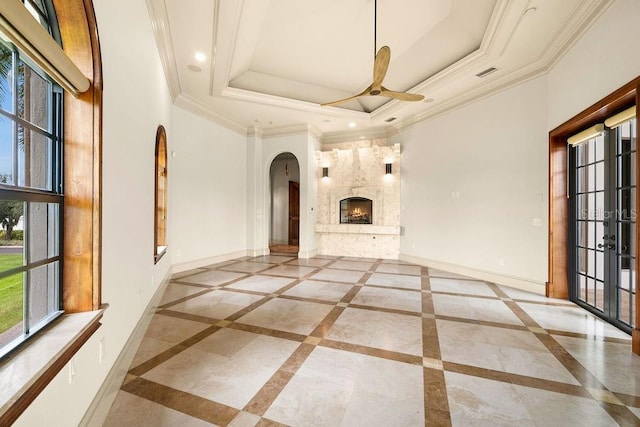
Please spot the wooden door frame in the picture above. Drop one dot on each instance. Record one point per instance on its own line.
(558, 284)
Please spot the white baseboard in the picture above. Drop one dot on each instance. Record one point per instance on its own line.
(307, 254)
(256, 252)
(487, 276)
(190, 265)
(101, 404)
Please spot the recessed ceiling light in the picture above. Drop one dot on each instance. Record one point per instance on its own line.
(352, 125)
(200, 57)
(194, 68)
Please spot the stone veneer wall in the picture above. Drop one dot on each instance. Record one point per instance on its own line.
(358, 169)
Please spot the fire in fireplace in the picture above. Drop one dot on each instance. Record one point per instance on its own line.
(356, 210)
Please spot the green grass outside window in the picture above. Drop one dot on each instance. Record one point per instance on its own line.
(11, 294)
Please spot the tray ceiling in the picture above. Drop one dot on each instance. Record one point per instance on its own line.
(268, 64)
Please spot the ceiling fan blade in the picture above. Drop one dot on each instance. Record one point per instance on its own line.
(402, 96)
(380, 66)
(364, 92)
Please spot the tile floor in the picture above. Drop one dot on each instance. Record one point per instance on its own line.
(337, 341)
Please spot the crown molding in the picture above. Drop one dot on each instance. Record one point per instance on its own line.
(586, 17)
(582, 19)
(226, 14)
(192, 105)
(162, 32)
(291, 104)
(494, 39)
(297, 129)
(254, 132)
(380, 132)
(214, 44)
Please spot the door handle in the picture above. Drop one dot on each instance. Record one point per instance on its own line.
(606, 246)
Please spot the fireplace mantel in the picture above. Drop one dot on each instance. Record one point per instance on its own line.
(393, 230)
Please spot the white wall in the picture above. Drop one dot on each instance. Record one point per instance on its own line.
(474, 180)
(603, 60)
(494, 154)
(136, 101)
(207, 198)
(280, 198)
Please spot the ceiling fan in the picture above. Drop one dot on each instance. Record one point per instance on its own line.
(380, 66)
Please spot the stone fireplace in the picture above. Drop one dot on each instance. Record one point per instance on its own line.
(358, 203)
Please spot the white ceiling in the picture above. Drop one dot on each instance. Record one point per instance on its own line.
(270, 63)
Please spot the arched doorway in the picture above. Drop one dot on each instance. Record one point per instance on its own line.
(284, 185)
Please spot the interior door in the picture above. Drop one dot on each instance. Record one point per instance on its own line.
(294, 213)
(603, 229)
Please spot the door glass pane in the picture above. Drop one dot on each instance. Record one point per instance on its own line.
(591, 178)
(599, 177)
(600, 265)
(598, 299)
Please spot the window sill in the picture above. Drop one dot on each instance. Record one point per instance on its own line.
(160, 251)
(28, 370)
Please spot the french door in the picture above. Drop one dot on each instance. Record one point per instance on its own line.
(603, 224)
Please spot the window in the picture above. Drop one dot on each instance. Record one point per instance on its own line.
(160, 220)
(78, 241)
(31, 195)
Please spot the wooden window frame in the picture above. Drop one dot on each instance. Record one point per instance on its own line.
(558, 284)
(160, 204)
(81, 252)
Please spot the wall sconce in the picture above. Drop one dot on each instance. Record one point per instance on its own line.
(388, 169)
(325, 172)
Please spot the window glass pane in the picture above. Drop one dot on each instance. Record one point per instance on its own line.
(33, 97)
(11, 220)
(42, 227)
(6, 91)
(6, 150)
(11, 303)
(34, 159)
(43, 293)
(39, 12)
